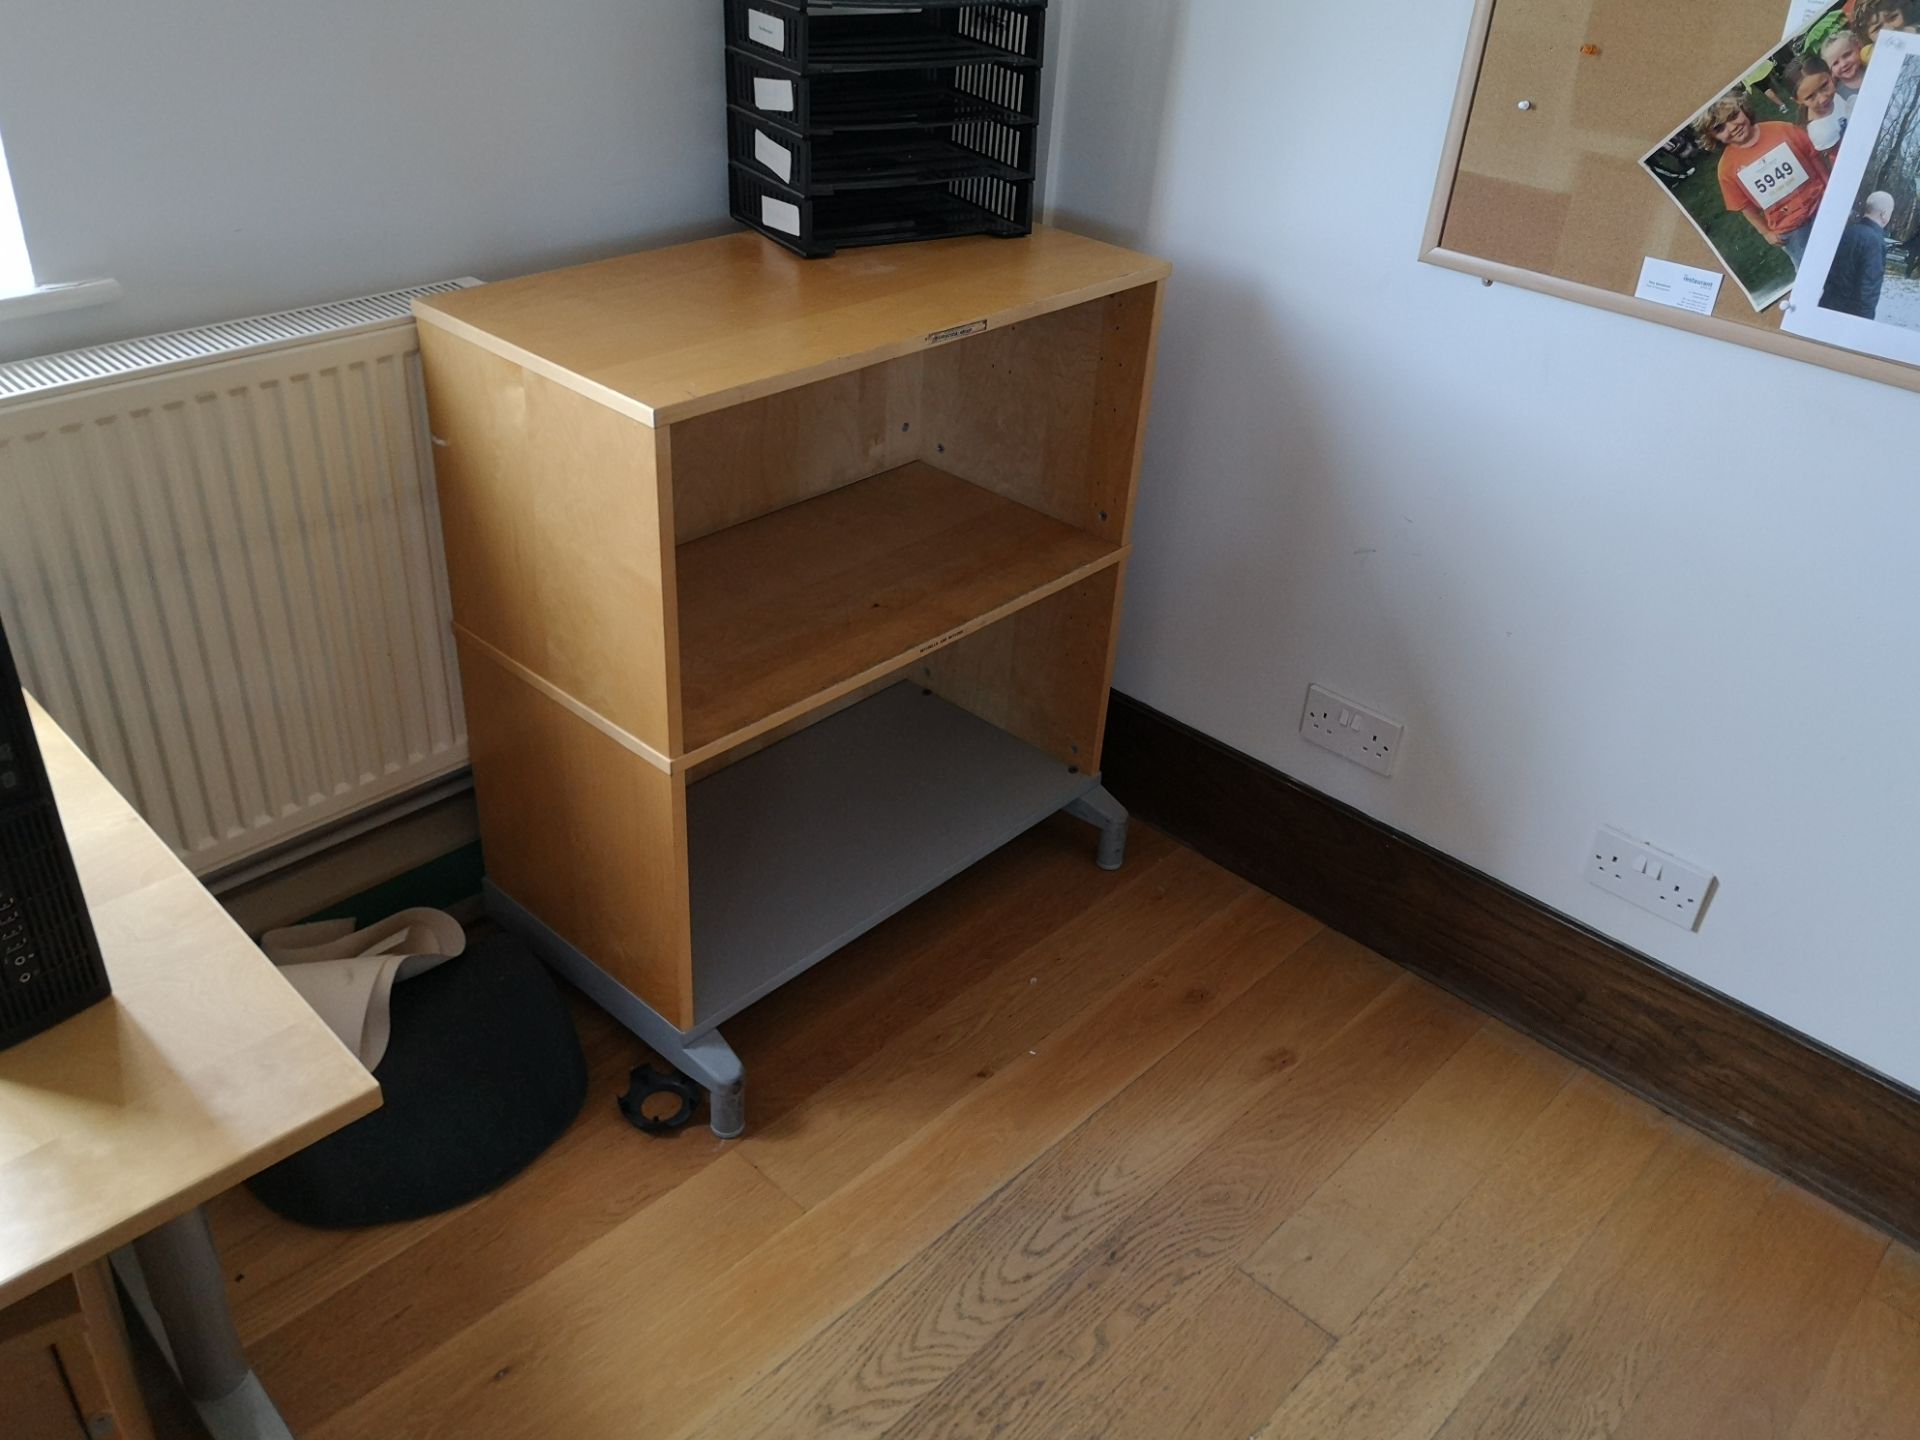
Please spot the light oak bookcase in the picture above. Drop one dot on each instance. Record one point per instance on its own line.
(784, 591)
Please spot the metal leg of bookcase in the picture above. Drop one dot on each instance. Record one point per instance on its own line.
(1100, 809)
(705, 1059)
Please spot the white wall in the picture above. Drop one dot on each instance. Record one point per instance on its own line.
(228, 157)
(1604, 570)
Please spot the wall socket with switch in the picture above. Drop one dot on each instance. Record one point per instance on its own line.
(1652, 879)
(1351, 731)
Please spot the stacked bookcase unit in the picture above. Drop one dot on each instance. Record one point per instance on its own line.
(784, 591)
(877, 122)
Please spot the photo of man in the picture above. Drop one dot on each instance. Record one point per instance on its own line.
(1859, 270)
(1858, 287)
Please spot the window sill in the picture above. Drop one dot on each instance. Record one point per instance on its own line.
(46, 299)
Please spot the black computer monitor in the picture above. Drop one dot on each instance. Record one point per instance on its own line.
(50, 965)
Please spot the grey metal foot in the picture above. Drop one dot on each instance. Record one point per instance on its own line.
(179, 1288)
(1099, 808)
(711, 1061)
(704, 1058)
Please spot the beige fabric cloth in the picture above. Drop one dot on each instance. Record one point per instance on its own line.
(348, 975)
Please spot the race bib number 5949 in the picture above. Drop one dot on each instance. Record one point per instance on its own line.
(1774, 176)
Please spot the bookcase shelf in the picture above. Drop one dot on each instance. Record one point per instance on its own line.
(783, 592)
(789, 612)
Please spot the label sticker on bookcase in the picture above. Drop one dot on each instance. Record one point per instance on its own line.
(780, 215)
(958, 332)
(773, 95)
(772, 154)
(767, 30)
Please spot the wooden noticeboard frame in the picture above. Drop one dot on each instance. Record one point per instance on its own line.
(1553, 198)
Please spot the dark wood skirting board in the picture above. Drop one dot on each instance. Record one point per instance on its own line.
(1775, 1095)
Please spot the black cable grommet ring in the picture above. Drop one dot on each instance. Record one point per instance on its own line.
(643, 1085)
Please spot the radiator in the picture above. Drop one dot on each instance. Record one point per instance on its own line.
(221, 566)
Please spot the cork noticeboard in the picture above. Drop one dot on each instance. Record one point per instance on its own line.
(1552, 197)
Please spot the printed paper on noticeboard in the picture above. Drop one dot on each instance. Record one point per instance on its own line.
(1860, 281)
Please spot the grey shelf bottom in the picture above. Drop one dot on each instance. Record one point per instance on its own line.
(802, 848)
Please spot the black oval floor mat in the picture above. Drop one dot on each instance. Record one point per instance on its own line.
(483, 1073)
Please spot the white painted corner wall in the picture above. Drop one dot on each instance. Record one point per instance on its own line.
(1604, 570)
(222, 158)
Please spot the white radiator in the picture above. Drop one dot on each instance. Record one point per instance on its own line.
(221, 570)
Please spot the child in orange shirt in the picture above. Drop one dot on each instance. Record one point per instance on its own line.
(1770, 172)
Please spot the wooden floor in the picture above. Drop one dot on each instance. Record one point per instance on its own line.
(1060, 1153)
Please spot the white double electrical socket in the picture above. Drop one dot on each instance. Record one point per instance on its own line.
(1652, 879)
(1352, 731)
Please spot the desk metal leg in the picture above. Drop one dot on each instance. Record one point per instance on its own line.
(180, 1289)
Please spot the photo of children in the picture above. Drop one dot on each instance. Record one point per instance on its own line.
(1858, 283)
(1769, 143)
(1810, 81)
(1843, 52)
(1872, 18)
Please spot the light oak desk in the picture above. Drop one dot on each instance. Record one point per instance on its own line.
(202, 1069)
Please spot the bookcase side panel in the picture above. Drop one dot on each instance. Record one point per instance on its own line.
(559, 549)
(584, 833)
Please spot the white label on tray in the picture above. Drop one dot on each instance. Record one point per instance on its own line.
(773, 95)
(767, 30)
(1774, 176)
(779, 215)
(772, 154)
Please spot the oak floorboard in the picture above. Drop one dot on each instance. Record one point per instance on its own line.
(1214, 1364)
(1582, 1356)
(815, 1148)
(1786, 1296)
(1207, 1217)
(863, 1372)
(1413, 1353)
(1343, 1246)
(702, 1345)
(1871, 1388)
(1898, 1283)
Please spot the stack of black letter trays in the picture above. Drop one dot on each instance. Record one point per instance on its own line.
(877, 122)
(50, 965)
